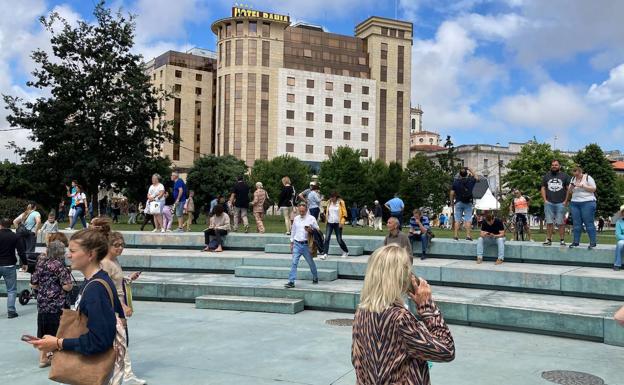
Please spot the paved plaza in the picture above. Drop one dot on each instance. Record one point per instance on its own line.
(174, 343)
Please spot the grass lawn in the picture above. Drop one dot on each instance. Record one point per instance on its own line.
(275, 224)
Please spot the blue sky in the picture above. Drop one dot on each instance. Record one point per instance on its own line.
(484, 71)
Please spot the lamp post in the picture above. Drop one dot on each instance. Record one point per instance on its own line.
(500, 165)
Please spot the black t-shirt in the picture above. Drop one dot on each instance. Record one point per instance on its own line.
(556, 186)
(495, 228)
(463, 189)
(241, 193)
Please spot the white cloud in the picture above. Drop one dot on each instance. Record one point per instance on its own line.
(493, 27)
(319, 10)
(611, 91)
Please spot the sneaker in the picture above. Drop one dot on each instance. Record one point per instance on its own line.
(591, 246)
(562, 243)
(162, 231)
(455, 238)
(68, 228)
(12, 314)
(289, 285)
(573, 245)
(315, 281)
(469, 239)
(345, 254)
(323, 257)
(479, 260)
(288, 233)
(155, 230)
(423, 257)
(616, 268)
(498, 261)
(133, 380)
(547, 242)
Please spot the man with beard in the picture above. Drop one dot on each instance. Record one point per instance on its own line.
(554, 193)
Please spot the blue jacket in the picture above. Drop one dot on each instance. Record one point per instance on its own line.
(619, 229)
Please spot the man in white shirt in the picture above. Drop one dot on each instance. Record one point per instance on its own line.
(301, 227)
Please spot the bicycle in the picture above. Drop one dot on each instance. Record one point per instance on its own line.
(518, 228)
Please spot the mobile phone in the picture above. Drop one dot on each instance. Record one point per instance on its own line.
(28, 338)
(411, 287)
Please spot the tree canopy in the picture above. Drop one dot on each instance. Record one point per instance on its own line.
(271, 172)
(345, 173)
(213, 175)
(424, 184)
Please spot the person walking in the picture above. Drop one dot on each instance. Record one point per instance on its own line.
(155, 202)
(354, 214)
(378, 225)
(132, 214)
(492, 232)
(180, 195)
(30, 220)
(396, 207)
(189, 209)
(111, 265)
(313, 198)
(619, 240)
(218, 228)
(582, 197)
(260, 196)
(286, 202)
(336, 215)
(52, 281)
(554, 193)
(461, 200)
(303, 225)
(61, 211)
(10, 244)
(79, 206)
(390, 344)
(241, 203)
(71, 192)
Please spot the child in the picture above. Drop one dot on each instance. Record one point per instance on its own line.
(189, 208)
(50, 226)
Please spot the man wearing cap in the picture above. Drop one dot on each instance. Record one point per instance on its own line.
(303, 224)
(303, 196)
(619, 237)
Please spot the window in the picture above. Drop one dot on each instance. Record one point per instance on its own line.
(329, 118)
(253, 28)
(178, 74)
(290, 114)
(328, 134)
(290, 147)
(347, 88)
(486, 163)
(239, 28)
(198, 91)
(252, 52)
(347, 103)
(266, 48)
(365, 122)
(161, 72)
(266, 30)
(154, 76)
(290, 98)
(329, 102)
(309, 99)
(383, 75)
(364, 137)
(365, 106)
(228, 30)
(328, 150)
(310, 116)
(238, 52)
(307, 52)
(393, 32)
(346, 119)
(198, 77)
(177, 88)
(400, 64)
(310, 83)
(309, 149)
(228, 48)
(290, 131)
(329, 86)
(197, 137)
(364, 153)
(401, 34)
(384, 31)
(177, 109)
(309, 133)
(290, 81)
(362, 61)
(346, 135)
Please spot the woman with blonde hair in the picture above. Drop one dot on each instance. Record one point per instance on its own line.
(582, 198)
(406, 343)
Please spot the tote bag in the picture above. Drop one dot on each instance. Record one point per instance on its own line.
(154, 207)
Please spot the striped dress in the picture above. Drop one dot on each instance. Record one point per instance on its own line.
(393, 347)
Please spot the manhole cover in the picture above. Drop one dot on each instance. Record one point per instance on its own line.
(567, 377)
(340, 322)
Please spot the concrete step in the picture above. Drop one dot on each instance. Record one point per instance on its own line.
(243, 303)
(277, 248)
(303, 272)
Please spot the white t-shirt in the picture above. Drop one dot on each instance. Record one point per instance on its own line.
(333, 213)
(579, 194)
(155, 190)
(298, 232)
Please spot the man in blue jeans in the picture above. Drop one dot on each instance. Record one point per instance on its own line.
(301, 227)
(179, 196)
(396, 206)
(9, 243)
(492, 232)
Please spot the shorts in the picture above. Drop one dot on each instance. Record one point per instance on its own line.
(179, 209)
(463, 211)
(554, 213)
(47, 324)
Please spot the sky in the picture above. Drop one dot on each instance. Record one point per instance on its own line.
(483, 71)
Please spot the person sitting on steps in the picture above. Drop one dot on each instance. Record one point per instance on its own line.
(492, 231)
(218, 228)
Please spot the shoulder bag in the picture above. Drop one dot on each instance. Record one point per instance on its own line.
(268, 203)
(74, 368)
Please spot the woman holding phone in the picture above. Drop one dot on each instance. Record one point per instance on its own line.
(407, 343)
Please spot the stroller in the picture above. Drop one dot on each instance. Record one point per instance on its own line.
(27, 294)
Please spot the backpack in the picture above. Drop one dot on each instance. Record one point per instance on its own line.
(465, 193)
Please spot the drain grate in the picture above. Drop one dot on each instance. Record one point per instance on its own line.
(568, 377)
(340, 322)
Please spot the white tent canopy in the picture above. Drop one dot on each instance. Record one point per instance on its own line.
(487, 202)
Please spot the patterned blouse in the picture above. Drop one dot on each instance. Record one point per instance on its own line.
(393, 347)
(50, 275)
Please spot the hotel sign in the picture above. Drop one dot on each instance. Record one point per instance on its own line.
(252, 13)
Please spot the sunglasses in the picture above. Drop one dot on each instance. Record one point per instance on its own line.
(119, 245)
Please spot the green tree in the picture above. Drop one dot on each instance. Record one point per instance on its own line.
(619, 187)
(271, 172)
(423, 184)
(101, 120)
(594, 163)
(525, 172)
(345, 173)
(449, 162)
(213, 175)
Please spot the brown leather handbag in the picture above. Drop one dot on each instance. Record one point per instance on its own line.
(73, 368)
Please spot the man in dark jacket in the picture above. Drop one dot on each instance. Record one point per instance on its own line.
(241, 203)
(9, 244)
(378, 216)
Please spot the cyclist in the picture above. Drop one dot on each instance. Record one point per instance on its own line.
(520, 207)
